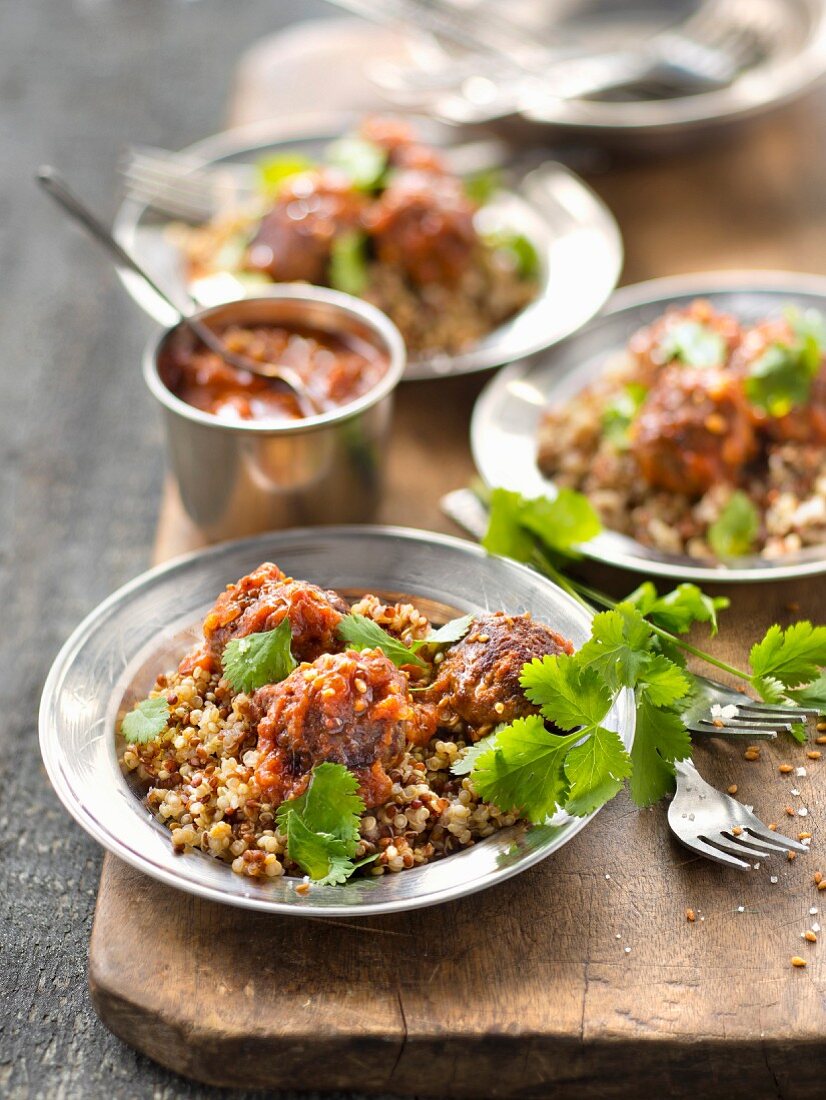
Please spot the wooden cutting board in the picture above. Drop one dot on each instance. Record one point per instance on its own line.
(582, 977)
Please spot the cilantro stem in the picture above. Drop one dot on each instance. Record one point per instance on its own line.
(584, 593)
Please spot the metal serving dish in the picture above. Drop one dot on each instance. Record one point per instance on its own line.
(114, 655)
(577, 239)
(507, 414)
(783, 43)
(240, 477)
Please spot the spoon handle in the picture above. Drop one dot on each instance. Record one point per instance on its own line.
(58, 189)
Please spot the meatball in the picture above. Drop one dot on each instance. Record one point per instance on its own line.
(348, 708)
(478, 681)
(803, 424)
(694, 429)
(294, 239)
(653, 347)
(259, 602)
(404, 150)
(423, 225)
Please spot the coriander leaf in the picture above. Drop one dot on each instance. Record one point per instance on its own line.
(619, 646)
(595, 769)
(620, 412)
(518, 249)
(505, 535)
(733, 532)
(451, 632)
(659, 740)
(482, 186)
(348, 262)
(259, 659)
(273, 171)
(793, 656)
(811, 695)
(362, 633)
(807, 324)
(568, 693)
(798, 732)
(560, 523)
(146, 721)
(362, 161)
(693, 344)
(769, 689)
(569, 518)
(322, 857)
(525, 771)
(679, 609)
(467, 761)
(330, 805)
(663, 682)
(781, 378)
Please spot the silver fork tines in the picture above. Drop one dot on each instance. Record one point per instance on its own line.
(704, 820)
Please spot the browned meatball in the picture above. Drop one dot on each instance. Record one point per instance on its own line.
(803, 424)
(478, 681)
(423, 225)
(347, 708)
(294, 239)
(404, 150)
(259, 602)
(694, 429)
(658, 344)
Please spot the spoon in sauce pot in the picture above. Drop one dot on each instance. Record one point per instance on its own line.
(52, 183)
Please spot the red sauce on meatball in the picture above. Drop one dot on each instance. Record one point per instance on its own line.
(694, 429)
(348, 708)
(259, 602)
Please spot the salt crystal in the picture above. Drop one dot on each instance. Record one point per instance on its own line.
(627, 950)
(813, 911)
(728, 711)
(741, 908)
(773, 880)
(748, 807)
(716, 710)
(815, 926)
(607, 876)
(795, 791)
(802, 811)
(702, 918)
(800, 772)
(619, 935)
(757, 866)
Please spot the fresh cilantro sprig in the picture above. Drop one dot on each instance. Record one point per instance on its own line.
(733, 533)
(258, 659)
(620, 412)
(146, 721)
(694, 344)
(322, 825)
(348, 262)
(639, 645)
(446, 635)
(781, 378)
(362, 161)
(359, 632)
(516, 522)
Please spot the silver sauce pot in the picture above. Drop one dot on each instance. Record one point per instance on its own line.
(239, 478)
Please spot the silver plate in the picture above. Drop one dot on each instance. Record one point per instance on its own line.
(791, 33)
(115, 654)
(577, 239)
(507, 414)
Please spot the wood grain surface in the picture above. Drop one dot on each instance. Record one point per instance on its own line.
(582, 977)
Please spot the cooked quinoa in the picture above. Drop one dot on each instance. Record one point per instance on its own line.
(199, 777)
(634, 482)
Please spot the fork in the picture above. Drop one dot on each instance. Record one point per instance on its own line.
(717, 826)
(714, 710)
(183, 187)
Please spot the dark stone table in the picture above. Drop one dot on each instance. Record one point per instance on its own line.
(80, 462)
